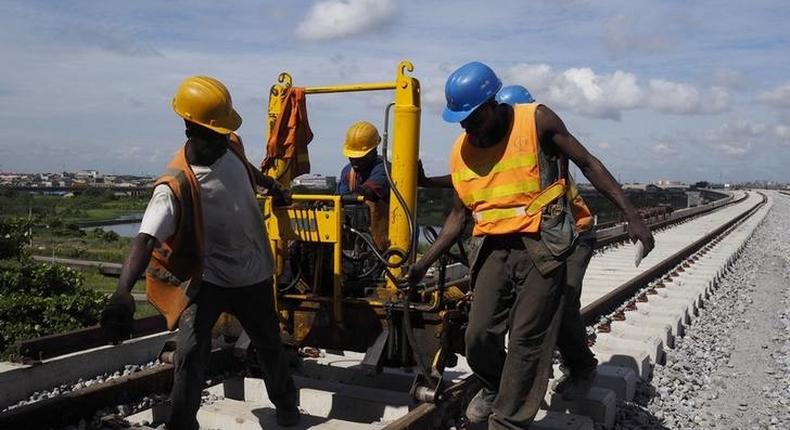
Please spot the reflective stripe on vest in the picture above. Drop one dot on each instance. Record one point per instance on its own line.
(523, 160)
(545, 198)
(501, 184)
(528, 186)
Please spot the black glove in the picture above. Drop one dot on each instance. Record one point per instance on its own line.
(118, 315)
(281, 196)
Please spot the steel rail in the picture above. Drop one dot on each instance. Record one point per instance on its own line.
(455, 398)
(618, 296)
(83, 403)
(40, 348)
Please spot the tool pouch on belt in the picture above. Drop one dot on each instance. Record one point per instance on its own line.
(557, 226)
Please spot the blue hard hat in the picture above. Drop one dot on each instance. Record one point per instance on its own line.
(514, 94)
(467, 88)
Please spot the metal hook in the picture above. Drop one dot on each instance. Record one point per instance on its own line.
(285, 81)
(403, 67)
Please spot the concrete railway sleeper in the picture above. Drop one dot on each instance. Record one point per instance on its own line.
(635, 322)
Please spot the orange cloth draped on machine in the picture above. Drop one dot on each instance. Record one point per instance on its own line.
(289, 137)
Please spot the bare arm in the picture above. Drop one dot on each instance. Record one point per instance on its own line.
(452, 228)
(118, 315)
(282, 195)
(261, 180)
(552, 129)
(136, 261)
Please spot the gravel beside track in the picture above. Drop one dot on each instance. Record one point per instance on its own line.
(731, 370)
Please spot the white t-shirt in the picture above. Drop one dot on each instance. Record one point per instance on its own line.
(237, 250)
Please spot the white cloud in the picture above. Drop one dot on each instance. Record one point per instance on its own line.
(740, 129)
(604, 145)
(608, 95)
(623, 35)
(664, 149)
(777, 97)
(733, 149)
(783, 132)
(337, 18)
(728, 78)
(735, 139)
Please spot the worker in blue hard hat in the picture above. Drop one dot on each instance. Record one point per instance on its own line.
(514, 94)
(509, 169)
(511, 94)
(578, 359)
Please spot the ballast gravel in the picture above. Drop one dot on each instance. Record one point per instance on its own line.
(731, 370)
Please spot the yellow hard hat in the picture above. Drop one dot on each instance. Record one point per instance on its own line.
(361, 138)
(205, 101)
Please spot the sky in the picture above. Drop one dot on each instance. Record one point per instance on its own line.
(657, 90)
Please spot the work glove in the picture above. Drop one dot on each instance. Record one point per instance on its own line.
(281, 196)
(118, 315)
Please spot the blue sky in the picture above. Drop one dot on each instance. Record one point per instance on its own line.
(656, 89)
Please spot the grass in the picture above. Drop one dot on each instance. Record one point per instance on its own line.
(79, 245)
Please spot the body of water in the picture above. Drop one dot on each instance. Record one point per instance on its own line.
(123, 230)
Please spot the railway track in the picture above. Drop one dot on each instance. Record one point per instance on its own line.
(636, 312)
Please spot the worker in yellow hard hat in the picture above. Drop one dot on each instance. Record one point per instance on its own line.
(364, 175)
(206, 252)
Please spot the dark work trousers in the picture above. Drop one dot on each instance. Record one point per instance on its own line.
(254, 307)
(572, 339)
(510, 293)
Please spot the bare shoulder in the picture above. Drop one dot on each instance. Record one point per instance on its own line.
(546, 119)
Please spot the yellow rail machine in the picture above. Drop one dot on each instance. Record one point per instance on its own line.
(317, 241)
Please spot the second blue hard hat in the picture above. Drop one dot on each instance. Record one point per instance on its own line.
(467, 88)
(514, 94)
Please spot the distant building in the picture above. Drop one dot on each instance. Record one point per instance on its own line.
(672, 185)
(87, 175)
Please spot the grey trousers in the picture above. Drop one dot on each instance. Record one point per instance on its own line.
(510, 293)
(254, 307)
(572, 338)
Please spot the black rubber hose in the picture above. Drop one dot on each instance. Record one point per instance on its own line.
(401, 201)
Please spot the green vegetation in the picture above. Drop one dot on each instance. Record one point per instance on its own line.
(42, 299)
(95, 244)
(93, 204)
(54, 223)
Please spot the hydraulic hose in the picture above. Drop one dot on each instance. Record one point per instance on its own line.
(401, 201)
(410, 252)
(383, 258)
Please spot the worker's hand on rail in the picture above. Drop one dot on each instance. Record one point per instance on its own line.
(415, 274)
(118, 315)
(637, 230)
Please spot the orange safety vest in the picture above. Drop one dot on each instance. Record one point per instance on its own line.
(581, 212)
(175, 269)
(501, 184)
